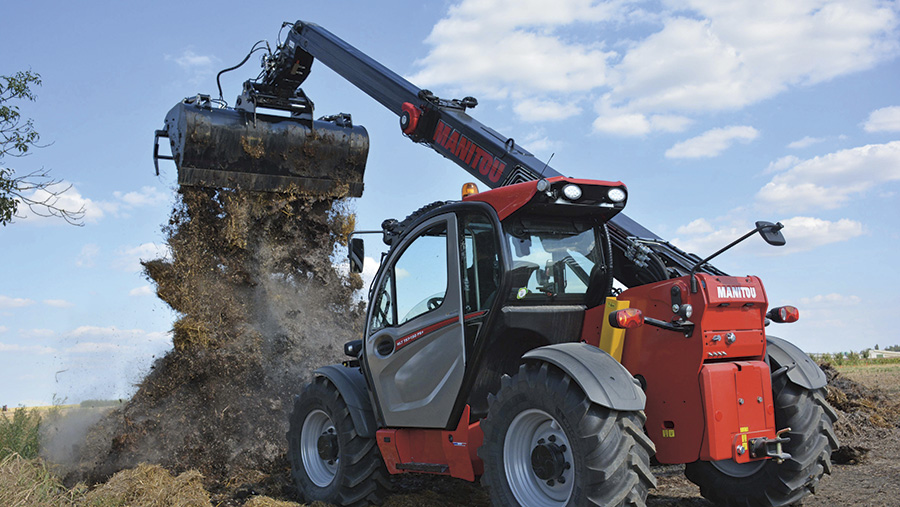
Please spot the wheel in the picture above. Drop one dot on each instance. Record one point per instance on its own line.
(767, 483)
(330, 462)
(546, 444)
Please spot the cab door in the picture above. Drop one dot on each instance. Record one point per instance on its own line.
(415, 344)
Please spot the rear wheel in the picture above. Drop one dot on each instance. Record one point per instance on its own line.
(547, 445)
(330, 462)
(767, 483)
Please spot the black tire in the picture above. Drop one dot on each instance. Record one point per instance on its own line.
(767, 483)
(353, 473)
(602, 455)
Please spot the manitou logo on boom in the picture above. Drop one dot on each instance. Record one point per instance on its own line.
(735, 292)
(468, 152)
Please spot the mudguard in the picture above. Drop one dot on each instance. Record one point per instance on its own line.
(802, 370)
(352, 386)
(604, 380)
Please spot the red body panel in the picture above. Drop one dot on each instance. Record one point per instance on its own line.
(507, 200)
(593, 325)
(728, 313)
(735, 395)
(456, 449)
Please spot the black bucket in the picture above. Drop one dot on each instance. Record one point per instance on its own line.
(229, 148)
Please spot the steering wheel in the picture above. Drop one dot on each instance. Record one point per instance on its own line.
(434, 302)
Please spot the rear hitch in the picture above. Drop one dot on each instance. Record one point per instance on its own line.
(771, 448)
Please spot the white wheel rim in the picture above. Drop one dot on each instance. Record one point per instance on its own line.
(528, 430)
(320, 471)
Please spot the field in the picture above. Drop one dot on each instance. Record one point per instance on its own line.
(865, 471)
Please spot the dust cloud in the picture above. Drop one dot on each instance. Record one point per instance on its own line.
(261, 305)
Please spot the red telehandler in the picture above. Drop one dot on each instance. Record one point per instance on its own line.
(496, 343)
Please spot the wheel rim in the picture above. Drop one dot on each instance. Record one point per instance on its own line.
(320, 471)
(735, 469)
(530, 430)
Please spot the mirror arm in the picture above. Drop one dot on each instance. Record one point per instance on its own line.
(759, 227)
(711, 257)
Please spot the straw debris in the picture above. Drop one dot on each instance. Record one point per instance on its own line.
(260, 306)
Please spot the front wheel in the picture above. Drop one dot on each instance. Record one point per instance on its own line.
(547, 445)
(767, 483)
(330, 462)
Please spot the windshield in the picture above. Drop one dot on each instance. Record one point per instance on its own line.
(552, 260)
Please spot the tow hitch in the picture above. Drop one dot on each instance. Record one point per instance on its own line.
(764, 447)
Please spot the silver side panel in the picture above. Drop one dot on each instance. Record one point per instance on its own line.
(417, 385)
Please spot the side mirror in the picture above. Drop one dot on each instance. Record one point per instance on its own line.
(356, 252)
(771, 233)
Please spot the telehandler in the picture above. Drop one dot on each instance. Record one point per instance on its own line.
(532, 334)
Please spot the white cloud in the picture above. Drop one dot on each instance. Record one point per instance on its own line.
(92, 348)
(702, 238)
(782, 164)
(831, 300)
(37, 333)
(189, 60)
(69, 198)
(712, 55)
(809, 233)
(129, 258)
(802, 234)
(503, 47)
(623, 123)
(805, 142)
(712, 142)
(58, 303)
(144, 290)
(829, 181)
(28, 349)
(114, 333)
(88, 256)
(147, 196)
(536, 110)
(195, 65)
(695, 56)
(8, 302)
(886, 119)
(3, 329)
(698, 226)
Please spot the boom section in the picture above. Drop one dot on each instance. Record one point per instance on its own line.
(444, 125)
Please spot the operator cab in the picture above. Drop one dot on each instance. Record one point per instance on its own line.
(507, 270)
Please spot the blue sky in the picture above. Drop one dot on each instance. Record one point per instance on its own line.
(715, 114)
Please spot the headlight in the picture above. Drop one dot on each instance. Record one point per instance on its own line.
(572, 192)
(616, 195)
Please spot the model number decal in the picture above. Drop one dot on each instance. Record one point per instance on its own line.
(406, 340)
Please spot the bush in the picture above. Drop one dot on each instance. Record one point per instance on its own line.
(20, 434)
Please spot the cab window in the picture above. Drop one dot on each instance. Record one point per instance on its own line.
(480, 262)
(417, 282)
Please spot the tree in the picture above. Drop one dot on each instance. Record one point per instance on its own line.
(37, 189)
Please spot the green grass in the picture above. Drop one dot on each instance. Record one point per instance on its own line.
(20, 434)
(854, 359)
